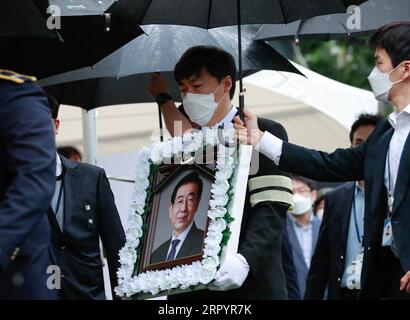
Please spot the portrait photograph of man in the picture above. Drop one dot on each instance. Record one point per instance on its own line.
(182, 218)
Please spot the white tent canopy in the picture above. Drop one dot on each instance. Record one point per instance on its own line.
(337, 100)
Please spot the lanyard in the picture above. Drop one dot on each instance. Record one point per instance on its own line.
(359, 238)
(390, 189)
(60, 194)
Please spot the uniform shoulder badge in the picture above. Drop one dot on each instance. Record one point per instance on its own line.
(11, 76)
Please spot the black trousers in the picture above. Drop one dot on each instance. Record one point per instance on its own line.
(347, 294)
(391, 275)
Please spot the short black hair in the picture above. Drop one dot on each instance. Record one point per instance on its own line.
(192, 177)
(365, 119)
(54, 106)
(310, 183)
(68, 151)
(395, 39)
(215, 61)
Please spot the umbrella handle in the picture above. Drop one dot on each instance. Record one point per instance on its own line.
(241, 91)
(161, 128)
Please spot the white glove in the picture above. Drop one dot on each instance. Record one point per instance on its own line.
(231, 274)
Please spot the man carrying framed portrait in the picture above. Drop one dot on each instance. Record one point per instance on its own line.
(206, 77)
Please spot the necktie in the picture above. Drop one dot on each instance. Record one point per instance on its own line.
(171, 255)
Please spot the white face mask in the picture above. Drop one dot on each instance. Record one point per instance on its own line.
(201, 107)
(381, 83)
(319, 214)
(301, 204)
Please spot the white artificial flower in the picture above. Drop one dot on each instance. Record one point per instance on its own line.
(127, 255)
(210, 251)
(213, 238)
(220, 188)
(177, 145)
(135, 220)
(217, 212)
(134, 233)
(125, 272)
(156, 153)
(143, 155)
(187, 137)
(207, 275)
(210, 136)
(132, 240)
(220, 200)
(140, 198)
(137, 208)
(180, 276)
(218, 225)
(210, 263)
(118, 291)
(142, 169)
(141, 185)
(167, 149)
(224, 151)
(172, 278)
(224, 173)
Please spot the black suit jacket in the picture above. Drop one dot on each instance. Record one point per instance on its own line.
(27, 180)
(365, 162)
(192, 245)
(260, 237)
(89, 213)
(328, 262)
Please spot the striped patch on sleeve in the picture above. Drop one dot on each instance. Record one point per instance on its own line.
(273, 188)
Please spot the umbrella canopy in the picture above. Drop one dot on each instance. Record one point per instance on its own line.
(373, 14)
(29, 46)
(122, 77)
(216, 13)
(81, 7)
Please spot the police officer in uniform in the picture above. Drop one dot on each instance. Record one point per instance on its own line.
(27, 181)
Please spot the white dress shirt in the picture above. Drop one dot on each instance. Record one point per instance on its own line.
(54, 200)
(182, 236)
(304, 234)
(401, 124)
(354, 244)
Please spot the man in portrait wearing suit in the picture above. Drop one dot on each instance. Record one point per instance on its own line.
(339, 240)
(382, 161)
(82, 211)
(186, 239)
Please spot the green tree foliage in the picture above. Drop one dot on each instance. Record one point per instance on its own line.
(346, 60)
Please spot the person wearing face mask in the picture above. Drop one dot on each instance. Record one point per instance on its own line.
(302, 229)
(206, 77)
(341, 232)
(319, 204)
(383, 161)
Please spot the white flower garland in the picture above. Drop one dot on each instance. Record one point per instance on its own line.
(198, 272)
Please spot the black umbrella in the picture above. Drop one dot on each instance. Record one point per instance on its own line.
(216, 13)
(86, 35)
(122, 77)
(373, 14)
